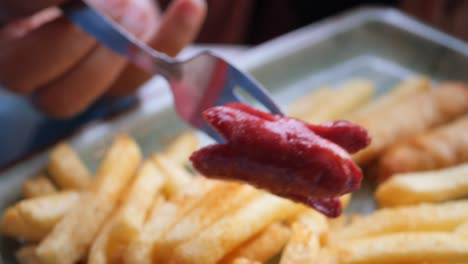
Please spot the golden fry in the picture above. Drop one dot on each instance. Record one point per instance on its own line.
(245, 261)
(127, 221)
(406, 247)
(423, 217)
(304, 245)
(161, 218)
(182, 147)
(262, 246)
(32, 219)
(412, 116)
(72, 236)
(38, 186)
(349, 97)
(441, 147)
(231, 229)
(66, 168)
(176, 176)
(306, 105)
(402, 91)
(430, 186)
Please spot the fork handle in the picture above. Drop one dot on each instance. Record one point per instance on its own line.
(118, 39)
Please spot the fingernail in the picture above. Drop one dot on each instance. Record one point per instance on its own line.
(190, 7)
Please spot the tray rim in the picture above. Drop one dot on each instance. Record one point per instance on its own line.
(257, 56)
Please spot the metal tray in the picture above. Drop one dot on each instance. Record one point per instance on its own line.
(379, 44)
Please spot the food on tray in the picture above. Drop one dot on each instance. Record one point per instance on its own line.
(441, 147)
(160, 211)
(73, 235)
(262, 246)
(38, 186)
(406, 248)
(412, 116)
(443, 217)
(66, 168)
(308, 230)
(403, 90)
(328, 104)
(126, 221)
(306, 163)
(32, 219)
(430, 186)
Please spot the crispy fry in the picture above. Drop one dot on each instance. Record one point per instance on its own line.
(224, 198)
(304, 244)
(126, 223)
(462, 229)
(162, 218)
(349, 97)
(177, 177)
(403, 90)
(430, 186)
(307, 104)
(27, 255)
(245, 261)
(72, 236)
(181, 148)
(32, 219)
(406, 247)
(38, 186)
(442, 147)
(234, 228)
(262, 246)
(412, 116)
(345, 199)
(66, 168)
(423, 217)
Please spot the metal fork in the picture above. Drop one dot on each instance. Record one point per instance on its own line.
(198, 83)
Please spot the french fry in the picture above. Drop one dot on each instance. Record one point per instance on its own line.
(38, 186)
(307, 104)
(140, 250)
(66, 168)
(72, 236)
(349, 97)
(442, 147)
(245, 261)
(225, 197)
(234, 228)
(406, 247)
(262, 246)
(176, 176)
(412, 116)
(424, 217)
(162, 217)
(462, 229)
(27, 255)
(403, 90)
(127, 221)
(182, 147)
(304, 244)
(32, 219)
(429, 186)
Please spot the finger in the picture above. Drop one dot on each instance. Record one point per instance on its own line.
(42, 55)
(11, 9)
(179, 27)
(74, 91)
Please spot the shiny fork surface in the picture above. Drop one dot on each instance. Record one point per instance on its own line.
(198, 83)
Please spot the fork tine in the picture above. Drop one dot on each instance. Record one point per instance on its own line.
(255, 89)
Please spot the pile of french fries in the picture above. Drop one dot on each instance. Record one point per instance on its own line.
(157, 210)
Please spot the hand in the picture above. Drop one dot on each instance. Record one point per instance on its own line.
(64, 69)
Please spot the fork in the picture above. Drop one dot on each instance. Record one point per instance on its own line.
(200, 82)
